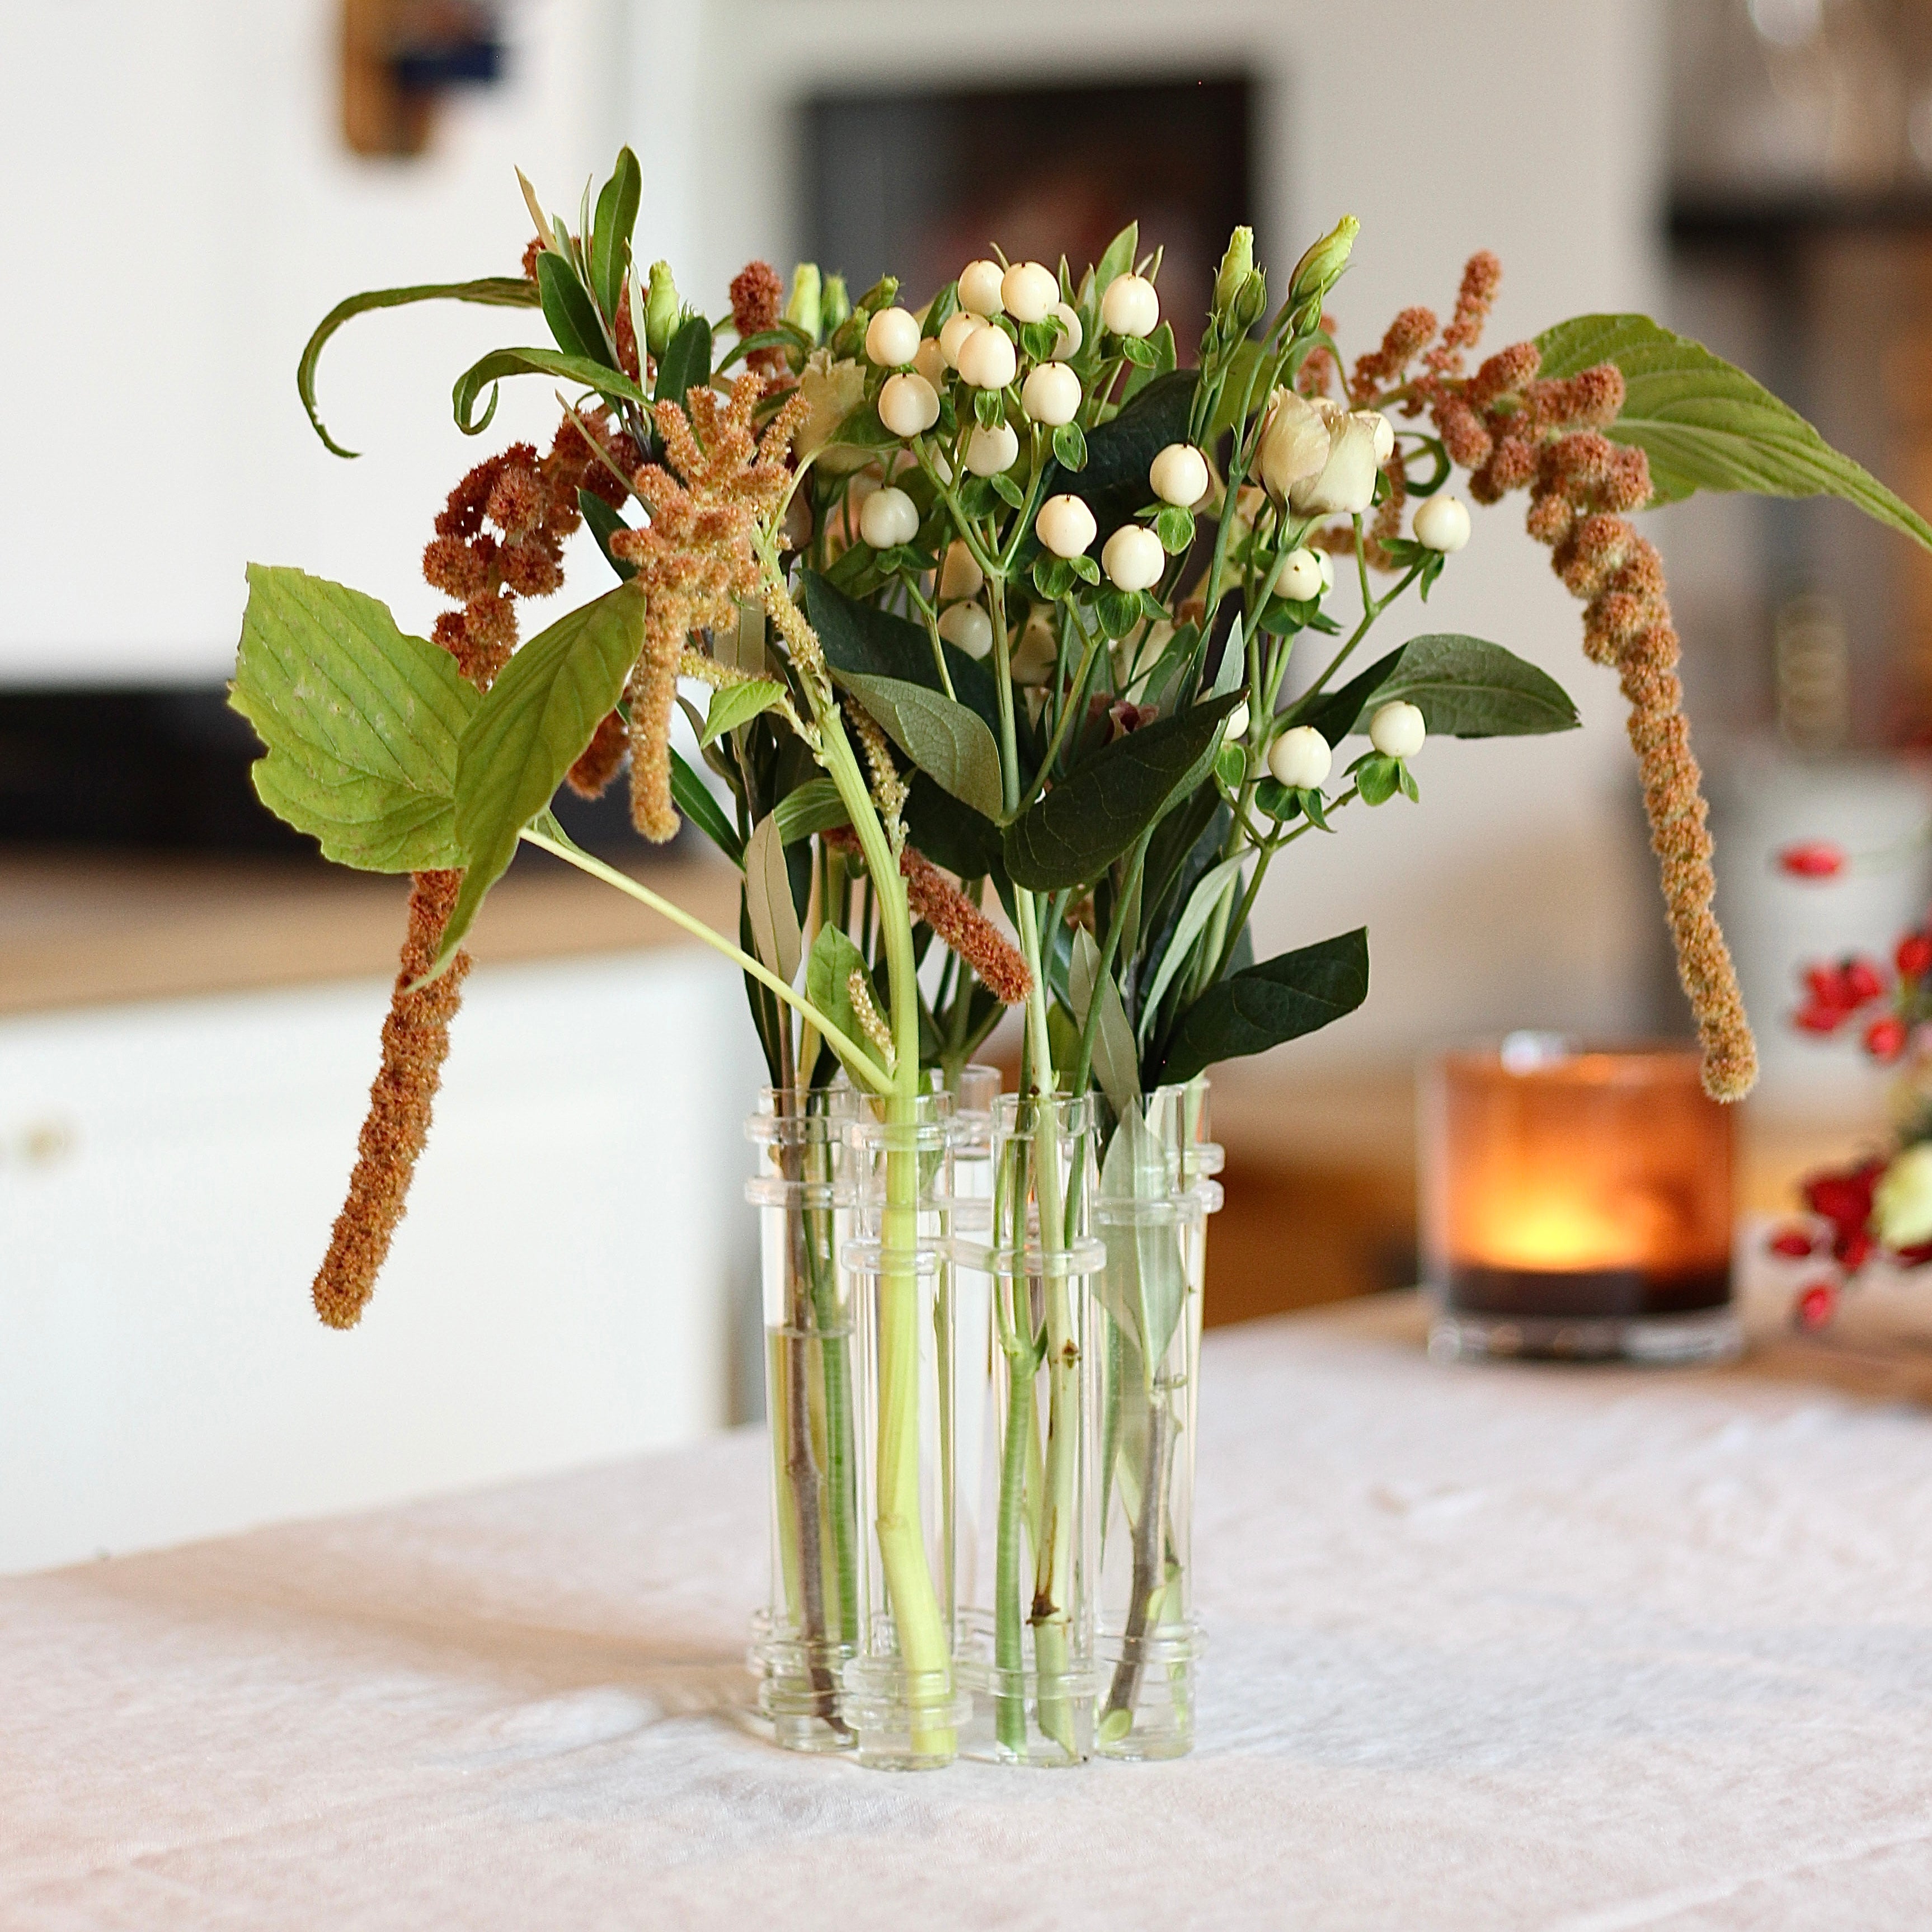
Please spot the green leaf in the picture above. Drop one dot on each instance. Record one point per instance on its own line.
(694, 798)
(1464, 687)
(815, 806)
(492, 291)
(492, 368)
(529, 730)
(1116, 1065)
(1070, 836)
(735, 704)
(1069, 447)
(685, 364)
(360, 721)
(1118, 610)
(1705, 425)
(947, 742)
(1142, 354)
(989, 408)
(828, 985)
(1377, 778)
(1118, 259)
(571, 314)
(768, 900)
(951, 834)
(1052, 576)
(1282, 999)
(1207, 896)
(1174, 527)
(605, 524)
(617, 217)
(1005, 488)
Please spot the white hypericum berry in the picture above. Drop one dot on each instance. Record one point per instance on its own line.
(1300, 577)
(908, 404)
(1441, 523)
(1179, 475)
(1130, 306)
(1299, 758)
(892, 338)
(986, 359)
(1029, 289)
(1071, 333)
(959, 575)
(1397, 730)
(968, 627)
(979, 287)
(888, 517)
(990, 451)
(1385, 435)
(1051, 394)
(1237, 721)
(1133, 558)
(1066, 526)
(1328, 564)
(959, 325)
(931, 362)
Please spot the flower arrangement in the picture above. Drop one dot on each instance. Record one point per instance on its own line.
(982, 612)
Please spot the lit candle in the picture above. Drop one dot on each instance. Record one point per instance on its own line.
(1577, 1202)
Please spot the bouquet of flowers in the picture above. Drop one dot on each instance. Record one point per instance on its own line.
(983, 611)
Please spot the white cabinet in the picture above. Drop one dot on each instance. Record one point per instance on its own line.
(562, 1288)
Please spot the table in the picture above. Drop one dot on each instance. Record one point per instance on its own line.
(1492, 1646)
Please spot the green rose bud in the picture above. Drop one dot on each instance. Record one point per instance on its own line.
(1321, 269)
(834, 303)
(1250, 301)
(1237, 265)
(801, 307)
(661, 310)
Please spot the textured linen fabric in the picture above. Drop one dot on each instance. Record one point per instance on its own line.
(1491, 1647)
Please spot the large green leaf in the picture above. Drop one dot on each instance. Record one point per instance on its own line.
(492, 368)
(693, 797)
(571, 314)
(736, 704)
(605, 524)
(1705, 425)
(530, 729)
(1464, 687)
(950, 744)
(492, 291)
(829, 968)
(616, 217)
(953, 835)
(361, 722)
(1209, 891)
(1072, 835)
(685, 364)
(1281, 999)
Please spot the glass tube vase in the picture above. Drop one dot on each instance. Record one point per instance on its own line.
(1156, 1191)
(809, 1630)
(1026, 1542)
(900, 1698)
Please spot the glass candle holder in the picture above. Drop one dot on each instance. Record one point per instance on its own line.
(1577, 1202)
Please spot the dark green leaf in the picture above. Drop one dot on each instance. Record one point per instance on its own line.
(1070, 836)
(361, 722)
(492, 291)
(529, 730)
(736, 704)
(1275, 800)
(616, 217)
(1282, 999)
(946, 740)
(1464, 687)
(1114, 485)
(686, 363)
(1705, 425)
(1052, 576)
(571, 314)
(488, 373)
(605, 524)
(693, 797)
(1069, 447)
(951, 834)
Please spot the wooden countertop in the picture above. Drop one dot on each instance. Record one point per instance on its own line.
(83, 929)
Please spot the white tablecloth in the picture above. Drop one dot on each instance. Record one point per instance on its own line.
(1491, 1647)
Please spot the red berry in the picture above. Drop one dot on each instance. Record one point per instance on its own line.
(1794, 1243)
(1885, 1039)
(1818, 859)
(1914, 957)
(1817, 1017)
(1816, 1305)
(1864, 980)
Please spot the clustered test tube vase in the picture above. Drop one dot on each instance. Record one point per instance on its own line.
(1157, 1190)
(900, 1698)
(808, 1631)
(1026, 1530)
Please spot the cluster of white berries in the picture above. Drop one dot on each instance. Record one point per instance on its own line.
(1301, 758)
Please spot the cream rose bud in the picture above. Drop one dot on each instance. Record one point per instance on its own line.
(1300, 759)
(1237, 721)
(979, 287)
(1902, 1201)
(1384, 434)
(1397, 730)
(959, 575)
(1071, 333)
(1441, 523)
(1300, 577)
(968, 627)
(958, 326)
(888, 517)
(1345, 484)
(990, 451)
(986, 359)
(1065, 526)
(931, 362)
(1294, 443)
(1179, 475)
(892, 338)
(908, 404)
(1029, 289)
(1037, 653)
(1050, 394)
(1129, 306)
(1133, 558)
(1328, 564)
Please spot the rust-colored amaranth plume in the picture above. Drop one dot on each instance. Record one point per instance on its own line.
(415, 1039)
